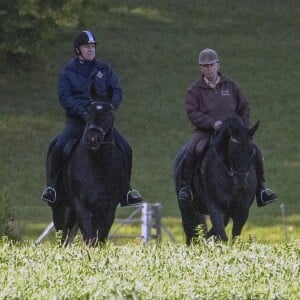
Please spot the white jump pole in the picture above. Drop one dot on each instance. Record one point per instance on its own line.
(157, 218)
(146, 220)
(45, 233)
(151, 218)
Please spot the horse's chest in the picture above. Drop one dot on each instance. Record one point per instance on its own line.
(94, 173)
(102, 175)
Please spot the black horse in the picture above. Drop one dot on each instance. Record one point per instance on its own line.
(224, 182)
(93, 181)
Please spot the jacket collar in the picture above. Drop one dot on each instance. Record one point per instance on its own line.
(203, 84)
(73, 65)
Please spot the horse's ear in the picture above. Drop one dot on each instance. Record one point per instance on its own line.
(254, 128)
(93, 91)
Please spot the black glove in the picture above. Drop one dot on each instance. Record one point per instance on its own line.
(85, 117)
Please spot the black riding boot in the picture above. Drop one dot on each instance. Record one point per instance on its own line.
(50, 192)
(132, 197)
(195, 151)
(264, 195)
(185, 193)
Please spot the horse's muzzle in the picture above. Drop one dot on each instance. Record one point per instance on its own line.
(95, 137)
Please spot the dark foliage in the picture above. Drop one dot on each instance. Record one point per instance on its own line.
(27, 27)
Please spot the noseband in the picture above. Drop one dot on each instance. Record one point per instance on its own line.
(101, 131)
(99, 106)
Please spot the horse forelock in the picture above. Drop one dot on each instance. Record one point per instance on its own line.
(238, 132)
(101, 106)
(100, 112)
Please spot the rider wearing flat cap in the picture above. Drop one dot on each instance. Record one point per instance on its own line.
(209, 101)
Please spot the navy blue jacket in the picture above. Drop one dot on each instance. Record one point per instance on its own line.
(74, 85)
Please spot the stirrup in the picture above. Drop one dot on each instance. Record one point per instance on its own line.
(48, 190)
(133, 195)
(268, 193)
(263, 202)
(188, 197)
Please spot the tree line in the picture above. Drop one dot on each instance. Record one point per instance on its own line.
(27, 26)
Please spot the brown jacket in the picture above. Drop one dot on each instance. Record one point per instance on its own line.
(205, 105)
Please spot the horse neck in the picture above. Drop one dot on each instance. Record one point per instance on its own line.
(220, 144)
(221, 139)
(103, 154)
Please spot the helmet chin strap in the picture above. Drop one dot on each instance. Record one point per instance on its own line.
(78, 52)
(81, 58)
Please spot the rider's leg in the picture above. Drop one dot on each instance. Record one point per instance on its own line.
(56, 162)
(73, 129)
(131, 197)
(195, 150)
(125, 148)
(264, 195)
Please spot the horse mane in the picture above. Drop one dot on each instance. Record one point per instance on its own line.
(232, 127)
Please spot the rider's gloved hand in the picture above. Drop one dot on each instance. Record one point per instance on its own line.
(218, 124)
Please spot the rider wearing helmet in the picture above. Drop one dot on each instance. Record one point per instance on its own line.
(209, 101)
(74, 95)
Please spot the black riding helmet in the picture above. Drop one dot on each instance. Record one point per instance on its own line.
(83, 38)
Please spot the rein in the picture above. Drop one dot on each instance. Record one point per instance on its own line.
(229, 171)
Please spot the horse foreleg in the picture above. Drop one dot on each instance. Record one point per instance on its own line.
(109, 222)
(239, 221)
(72, 233)
(218, 224)
(211, 232)
(191, 220)
(70, 220)
(103, 223)
(84, 218)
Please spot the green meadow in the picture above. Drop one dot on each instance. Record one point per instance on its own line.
(154, 47)
(209, 270)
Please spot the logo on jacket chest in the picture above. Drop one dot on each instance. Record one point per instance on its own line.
(99, 74)
(225, 92)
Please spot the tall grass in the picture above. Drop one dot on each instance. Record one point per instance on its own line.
(207, 270)
(153, 45)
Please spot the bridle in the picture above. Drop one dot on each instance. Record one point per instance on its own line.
(229, 169)
(102, 133)
(99, 128)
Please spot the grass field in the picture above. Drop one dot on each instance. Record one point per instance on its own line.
(205, 271)
(154, 45)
